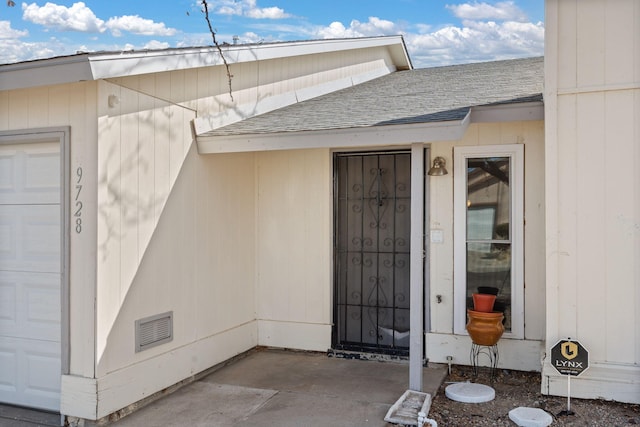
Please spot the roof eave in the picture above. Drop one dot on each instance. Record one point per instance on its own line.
(372, 136)
(144, 62)
(508, 112)
(51, 71)
(104, 65)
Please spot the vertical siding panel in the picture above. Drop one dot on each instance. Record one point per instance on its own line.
(534, 242)
(636, 205)
(591, 44)
(128, 198)
(295, 200)
(619, 226)
(567, 217)
(109, 220)
(191, 89)
(82, 116)
(58, 105)
(635, 31)
(38, 101)
(636, 202)
(270, 306)
(19, 109)
(147, 167)
(161, 144)
(176, 121)
(203, 83)
(4, 110)
(567, 48)
(441, 217)
(294, 275)
(318, 220)
(590, 192)
(618, 63)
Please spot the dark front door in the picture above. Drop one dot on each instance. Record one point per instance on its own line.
(372, 236)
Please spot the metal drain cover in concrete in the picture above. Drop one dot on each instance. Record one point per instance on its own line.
(405, 410)
(470, 392)
(530, 417)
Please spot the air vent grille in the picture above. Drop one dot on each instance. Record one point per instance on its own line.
(154, 330)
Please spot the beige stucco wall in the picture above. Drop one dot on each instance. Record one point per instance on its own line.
(592, 105)
(441, 342)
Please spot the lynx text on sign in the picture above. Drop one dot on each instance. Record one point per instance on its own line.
(569, 357)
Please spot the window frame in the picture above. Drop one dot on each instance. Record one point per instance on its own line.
(515, 152)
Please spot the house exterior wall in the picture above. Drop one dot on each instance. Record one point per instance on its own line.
(523, 354)
(294, 249)
(294, 244)
(175, 231)
(72, 105)
(592, 105)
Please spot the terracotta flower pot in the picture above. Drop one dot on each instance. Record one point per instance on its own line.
(485, 328)
(483, 302)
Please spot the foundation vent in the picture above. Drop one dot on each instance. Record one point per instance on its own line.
(154, 330)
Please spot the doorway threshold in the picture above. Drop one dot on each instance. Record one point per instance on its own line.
(360, 355)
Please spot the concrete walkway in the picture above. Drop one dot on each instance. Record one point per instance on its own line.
(286, 388)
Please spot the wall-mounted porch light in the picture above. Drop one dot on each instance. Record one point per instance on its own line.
(438, 168)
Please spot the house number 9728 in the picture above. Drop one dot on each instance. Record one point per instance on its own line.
(78, 203)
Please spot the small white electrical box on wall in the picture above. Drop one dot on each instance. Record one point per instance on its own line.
(437, 236)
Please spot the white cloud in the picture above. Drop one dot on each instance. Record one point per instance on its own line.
(501, 11)
(250, 9)
(16, 50)
(137, 25)
(373, 27)
(155, 44)
(267, 13)
(78, 17)
(476, 41)
(6, 32)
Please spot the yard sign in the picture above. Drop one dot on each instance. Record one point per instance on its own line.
(569, 358)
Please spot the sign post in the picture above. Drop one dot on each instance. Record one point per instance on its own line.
(569, 358)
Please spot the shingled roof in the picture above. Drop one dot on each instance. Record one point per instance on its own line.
(414, 96)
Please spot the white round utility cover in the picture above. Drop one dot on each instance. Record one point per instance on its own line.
(530, 417)
(470, 392)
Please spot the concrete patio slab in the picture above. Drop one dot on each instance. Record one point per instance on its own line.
(270, 387)
(201, 404)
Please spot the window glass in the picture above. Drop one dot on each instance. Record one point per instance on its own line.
(488, 219)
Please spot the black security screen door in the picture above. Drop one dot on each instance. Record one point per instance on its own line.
(372, 236)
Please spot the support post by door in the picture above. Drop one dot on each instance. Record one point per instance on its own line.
(417, 266)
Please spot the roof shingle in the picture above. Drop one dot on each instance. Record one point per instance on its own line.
(413, 96)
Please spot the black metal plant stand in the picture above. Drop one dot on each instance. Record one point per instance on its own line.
(489, 350)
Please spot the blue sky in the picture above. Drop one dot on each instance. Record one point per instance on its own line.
(436, 32)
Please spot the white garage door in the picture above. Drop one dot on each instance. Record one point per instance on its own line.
(30, 274)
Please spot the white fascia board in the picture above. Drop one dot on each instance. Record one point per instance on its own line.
(389, 135)
(94, 66)
(144, 62)
(516, 112)
(44, 72)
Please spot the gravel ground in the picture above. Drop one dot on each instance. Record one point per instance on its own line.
(516, 388)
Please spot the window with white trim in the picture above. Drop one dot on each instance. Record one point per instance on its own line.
(488, 231)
